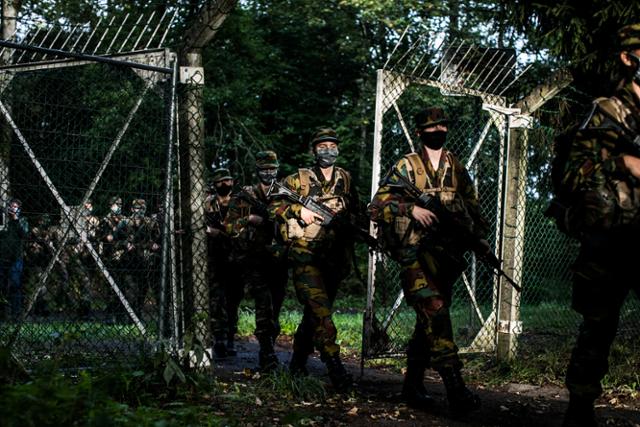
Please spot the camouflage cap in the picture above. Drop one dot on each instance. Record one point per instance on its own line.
(267, 160)
(138, 204)
(115, 200)
(629, 37)
(324, 135)
(430, 117)
(221, 174)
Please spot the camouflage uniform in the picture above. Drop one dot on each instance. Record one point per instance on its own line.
(606, 221)
(222, 295)
(142, 247)
(430, 260)
(256, 258)
(320, 259)
(112, 240)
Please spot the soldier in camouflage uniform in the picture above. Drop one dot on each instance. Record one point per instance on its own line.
(142, 245)
(112, 238)
(221, 293)
(603, 171)
(319, 256)
(431, 259)
(255, 256)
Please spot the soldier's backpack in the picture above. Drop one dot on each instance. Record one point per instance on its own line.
(598, 207)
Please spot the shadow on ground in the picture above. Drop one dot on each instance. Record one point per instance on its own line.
(376, 398)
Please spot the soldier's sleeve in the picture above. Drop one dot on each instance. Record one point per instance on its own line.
(586, 166)
(280, 208)
(389, 202)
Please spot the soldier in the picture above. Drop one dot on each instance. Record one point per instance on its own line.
(142, 245)
(113, 245)
(319, 256)
(602, 170)
(224, 299)
(11, 258)
(430, 257)
(252, 240)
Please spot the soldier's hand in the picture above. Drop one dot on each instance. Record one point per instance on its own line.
(109, 238)
(425, 217)
(256, 219)
(212, 231)
(130, 246)
(155, 247)
(633, 164)
(308, 216)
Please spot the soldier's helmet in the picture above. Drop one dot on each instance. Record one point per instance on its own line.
(430, 117)
(267, 160)
(221, 174)
(139, 206)
(115, 200)
(324, 135)
(629, 37)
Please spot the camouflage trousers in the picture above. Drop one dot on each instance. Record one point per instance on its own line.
(260, 278)
(219, 283)
(316, 283)
(603, 275)
(427, 280)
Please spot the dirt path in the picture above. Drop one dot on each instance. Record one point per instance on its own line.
(376, 399)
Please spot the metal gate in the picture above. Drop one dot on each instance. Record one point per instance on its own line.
(489, 133)
(85, 130)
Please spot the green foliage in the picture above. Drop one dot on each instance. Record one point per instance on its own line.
(292, 387)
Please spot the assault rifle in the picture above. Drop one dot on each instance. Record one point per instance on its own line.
(432, 203)
(258, 205)
(329, 217)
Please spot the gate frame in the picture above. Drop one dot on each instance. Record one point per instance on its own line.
(149, 65)
(500, 329)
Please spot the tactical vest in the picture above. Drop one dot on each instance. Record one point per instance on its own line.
(334, 198)
(404, 232)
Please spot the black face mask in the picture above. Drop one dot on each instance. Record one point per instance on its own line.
(636, 61)
(434, 140)
(223, 190)
(267, 176)
(326, 157)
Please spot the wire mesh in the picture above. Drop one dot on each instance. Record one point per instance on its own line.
(508, 157)
(85, 150)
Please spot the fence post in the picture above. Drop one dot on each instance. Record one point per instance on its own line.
(9, 13)
(192, 180)
(509, 324)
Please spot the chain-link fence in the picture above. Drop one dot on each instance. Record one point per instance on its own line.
(86, 176)
(507, 152)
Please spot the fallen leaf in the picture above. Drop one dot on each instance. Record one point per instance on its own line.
(258, 401)
(353, 411)
(504, 408)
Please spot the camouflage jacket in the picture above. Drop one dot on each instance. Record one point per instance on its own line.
(391, 208)
(609, 194)
(142, 237)
(246, 237)
(338, 193)
(114, 226)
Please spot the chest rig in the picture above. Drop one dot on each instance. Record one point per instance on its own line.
(441, 183)
(332, 194)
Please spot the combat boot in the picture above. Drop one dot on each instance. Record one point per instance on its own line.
(298, 364)
(461, 399)
(341, 380)
(267, 359)
(413, 391)
(580, 413)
